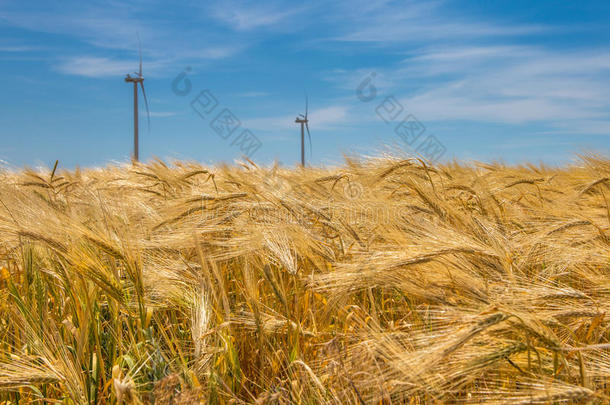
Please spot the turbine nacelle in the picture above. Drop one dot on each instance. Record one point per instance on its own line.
(134, 79)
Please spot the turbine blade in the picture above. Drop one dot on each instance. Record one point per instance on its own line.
(306, 104)
(309, 136)
(140, 52)
(146, 104)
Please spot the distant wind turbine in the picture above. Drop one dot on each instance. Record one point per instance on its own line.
(302, 119)
(138, 78)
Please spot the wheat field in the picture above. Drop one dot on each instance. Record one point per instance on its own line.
(381, 281)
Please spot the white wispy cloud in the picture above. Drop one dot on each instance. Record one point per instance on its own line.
(245, 15)
(591, 127)
(161, 114)
(114, 27)
(506, 84)
(323, 118)
(410, 21)
(329, 116)
(109, 26)
(496, 84)
(90, 66)
(99, 67)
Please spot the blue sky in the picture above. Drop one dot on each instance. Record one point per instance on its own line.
(504, 80)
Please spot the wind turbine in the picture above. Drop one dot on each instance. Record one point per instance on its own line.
(302, 119)
(138, 78)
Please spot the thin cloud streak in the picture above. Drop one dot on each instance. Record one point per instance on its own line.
(161, 114)
(90, 66)
(247, 16)
(417, 23)
(509, 87)
(116, 28)
(323, 118)
(501, 84)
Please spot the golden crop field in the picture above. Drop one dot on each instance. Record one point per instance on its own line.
(381, 281)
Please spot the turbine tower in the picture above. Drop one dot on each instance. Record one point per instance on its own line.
(302, 119)
(137, 79)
